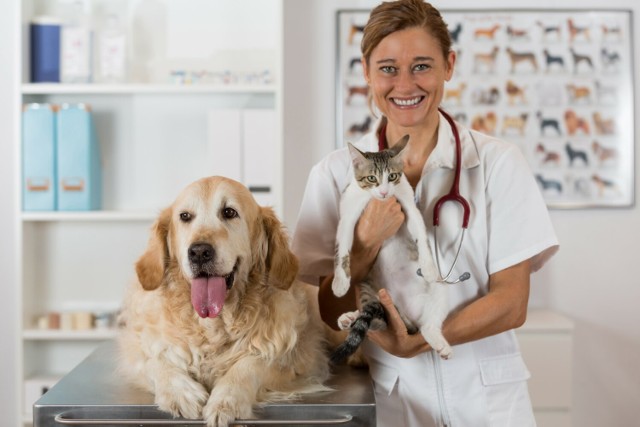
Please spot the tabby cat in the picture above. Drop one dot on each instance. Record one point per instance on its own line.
(404, 265)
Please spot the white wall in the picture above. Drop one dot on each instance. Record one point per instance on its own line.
(8, 293)
(591, 279)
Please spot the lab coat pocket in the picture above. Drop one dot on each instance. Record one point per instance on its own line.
(503, 369)
(384, 377)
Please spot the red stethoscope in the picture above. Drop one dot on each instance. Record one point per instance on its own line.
(452, 196)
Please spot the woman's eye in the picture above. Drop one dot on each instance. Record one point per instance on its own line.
(229, 213)
(372, 179)
(422, 67)
(388, 69)
(185, 216)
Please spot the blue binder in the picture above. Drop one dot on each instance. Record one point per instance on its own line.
(38, 157)
(45, 50)
(79, 170)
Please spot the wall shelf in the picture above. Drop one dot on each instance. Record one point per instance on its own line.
(106, 216)
(142, 89)
(64, 335)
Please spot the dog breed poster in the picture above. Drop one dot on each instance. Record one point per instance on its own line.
(558, 84)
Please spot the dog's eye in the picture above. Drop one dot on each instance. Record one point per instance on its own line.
(185, 216)
(229, 213)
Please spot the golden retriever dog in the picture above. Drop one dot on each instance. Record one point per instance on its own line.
(216, 322)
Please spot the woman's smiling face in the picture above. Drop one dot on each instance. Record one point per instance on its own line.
(406, 75)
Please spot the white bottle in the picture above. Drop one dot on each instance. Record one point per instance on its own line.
(75, 45)
(148, 40)
(111, 52)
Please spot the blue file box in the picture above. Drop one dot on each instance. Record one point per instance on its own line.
(79, 171)
(38, 157)
(45, 50)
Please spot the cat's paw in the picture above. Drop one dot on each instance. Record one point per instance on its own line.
(445, 352)
(346, 319)
(340, 284)
(428, 271)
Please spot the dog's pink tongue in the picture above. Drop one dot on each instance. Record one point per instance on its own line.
(208, 295)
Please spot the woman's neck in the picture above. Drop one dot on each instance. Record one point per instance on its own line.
(422, 141)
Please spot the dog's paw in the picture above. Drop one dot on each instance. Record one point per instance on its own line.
(340, 284)
(183, 398)
(224, 407)
(346, 319)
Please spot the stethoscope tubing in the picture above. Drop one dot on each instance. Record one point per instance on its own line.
(452, 196)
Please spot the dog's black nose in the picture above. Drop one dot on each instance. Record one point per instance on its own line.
(199, 253)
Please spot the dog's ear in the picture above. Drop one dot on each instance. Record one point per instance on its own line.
(281, 264)
(151, 266)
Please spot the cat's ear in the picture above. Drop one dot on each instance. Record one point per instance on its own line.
(357, 157)
(397, 148)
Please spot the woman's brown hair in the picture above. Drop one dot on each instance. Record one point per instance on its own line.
(389, 17)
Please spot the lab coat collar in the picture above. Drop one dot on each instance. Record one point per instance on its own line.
(443, 155)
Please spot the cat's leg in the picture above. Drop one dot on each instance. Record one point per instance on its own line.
(346, 319)
(417, 229)
(342, 271)
(344, 240)
(434, 312)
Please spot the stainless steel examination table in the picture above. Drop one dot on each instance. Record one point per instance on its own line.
(94, 394)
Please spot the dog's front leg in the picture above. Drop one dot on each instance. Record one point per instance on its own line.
(175, 391)
(234, 394)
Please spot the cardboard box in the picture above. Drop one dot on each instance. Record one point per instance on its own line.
(38, 157)
(79, 184)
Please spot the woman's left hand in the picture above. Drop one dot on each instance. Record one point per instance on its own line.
(395, 339)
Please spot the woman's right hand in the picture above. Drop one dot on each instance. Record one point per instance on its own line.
(380, 220)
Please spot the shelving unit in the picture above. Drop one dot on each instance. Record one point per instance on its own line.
(132, 89)
(155, 138)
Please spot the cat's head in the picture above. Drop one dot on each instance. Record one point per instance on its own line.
(379, 172)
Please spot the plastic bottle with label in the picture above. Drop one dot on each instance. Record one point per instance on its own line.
(111, 51)
(76, 44)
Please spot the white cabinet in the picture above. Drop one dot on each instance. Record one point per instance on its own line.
(546, 343)
(155, 137)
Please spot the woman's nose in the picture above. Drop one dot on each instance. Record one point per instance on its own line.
(405, 80)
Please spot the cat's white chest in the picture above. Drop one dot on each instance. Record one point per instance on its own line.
(396, 269)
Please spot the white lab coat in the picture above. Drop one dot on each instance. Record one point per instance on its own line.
(484, 383)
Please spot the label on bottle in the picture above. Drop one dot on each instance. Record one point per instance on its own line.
(112, 58)
(75, 64)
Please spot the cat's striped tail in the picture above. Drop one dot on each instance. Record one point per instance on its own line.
(370, 311)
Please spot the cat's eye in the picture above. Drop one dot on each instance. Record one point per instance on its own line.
(229, 213)
(372, 179)
(393, 176)
(185, 216)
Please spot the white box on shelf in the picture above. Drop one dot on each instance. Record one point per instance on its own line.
(35, 387)
(259, 140)
(225, 142)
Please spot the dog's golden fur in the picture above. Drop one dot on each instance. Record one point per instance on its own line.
(267, 341)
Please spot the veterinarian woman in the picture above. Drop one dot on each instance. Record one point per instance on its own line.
(407, 57)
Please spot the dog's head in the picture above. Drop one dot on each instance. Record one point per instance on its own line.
(217, 239)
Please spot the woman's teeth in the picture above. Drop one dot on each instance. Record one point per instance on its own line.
(407, 102)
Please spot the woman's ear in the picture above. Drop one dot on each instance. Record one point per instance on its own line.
(451, 63)
(365, 69)
(151, 266)
(281, 264)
